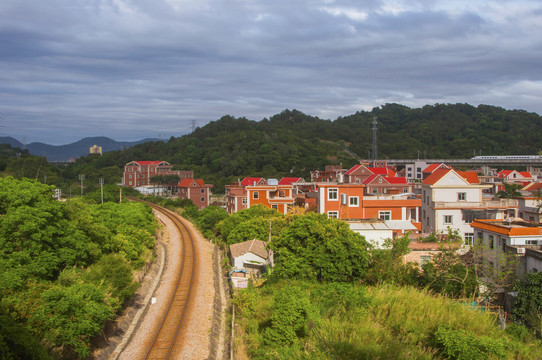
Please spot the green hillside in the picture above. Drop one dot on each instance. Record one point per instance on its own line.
(292, 143)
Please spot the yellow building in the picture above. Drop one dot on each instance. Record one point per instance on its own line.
(95, 149)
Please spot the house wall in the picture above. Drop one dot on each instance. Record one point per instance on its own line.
(533, 261)
(238, 262)
(344, 210)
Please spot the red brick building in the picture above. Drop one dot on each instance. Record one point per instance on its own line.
(139, 173)
(195, 190)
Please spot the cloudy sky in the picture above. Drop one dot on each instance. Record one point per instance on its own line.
(131, 69)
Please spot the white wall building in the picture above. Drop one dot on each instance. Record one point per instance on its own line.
(453, 199)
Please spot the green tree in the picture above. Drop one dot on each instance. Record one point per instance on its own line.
(510, 191)
(318, 248)
(527, 307)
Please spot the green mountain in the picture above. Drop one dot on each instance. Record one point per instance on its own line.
(292, 143)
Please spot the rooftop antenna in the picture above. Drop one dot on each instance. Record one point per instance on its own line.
(25, 140)
(193, 125)
(375, 148)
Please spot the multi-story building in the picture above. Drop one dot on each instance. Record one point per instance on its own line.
(453, 199)
(272, 195)
(330, 174)
(139, 173)
(195, 190)
(236, 193)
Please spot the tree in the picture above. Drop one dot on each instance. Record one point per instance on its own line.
(510, 191)
(315, 247)
(527, 307)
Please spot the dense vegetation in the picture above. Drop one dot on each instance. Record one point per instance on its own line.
(310, 320)
(65, 268)
(332, 296)
(292, 143)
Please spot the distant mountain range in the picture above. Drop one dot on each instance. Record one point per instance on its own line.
(73, 150)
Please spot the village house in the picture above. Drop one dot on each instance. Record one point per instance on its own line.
(451, 200)
(377, 231)
(513, 237)
(378, 184)
(432, 168)
(330, 174)
(424, 252)
(272, 195)
(249, 259)
(236, 194)
(139, 173)
(195, 190)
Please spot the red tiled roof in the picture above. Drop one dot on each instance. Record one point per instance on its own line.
(436, 176)
(188, 182)
(248, 181)
(534, 186)
(289, 180)
(396, 180)
(431, 168)
(525, 174)
(354, 168)
(370, 178)
(379, 170)
(470, 176)
(504, 173)
(149, 162)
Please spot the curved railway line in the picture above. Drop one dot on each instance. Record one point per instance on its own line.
(166, 342)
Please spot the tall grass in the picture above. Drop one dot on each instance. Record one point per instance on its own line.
(382, 322)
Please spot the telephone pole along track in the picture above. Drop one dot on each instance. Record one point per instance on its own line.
(166, 342)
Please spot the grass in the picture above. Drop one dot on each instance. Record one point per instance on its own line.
(383, 322)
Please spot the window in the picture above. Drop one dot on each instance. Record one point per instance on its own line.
(375, 191)
(354, 201)
(333, 194)
(244, 201)
(468, 218)
(405, 190)
(419, 176)
(202, 199)
(130, 176)
(255, 195)
(461, 196)
(276, 207)
(281, 193)
(448, 219)
(469, 238)
(384, 215)
(491, 242)
(333, 214)
(203, 191)
(419, 169)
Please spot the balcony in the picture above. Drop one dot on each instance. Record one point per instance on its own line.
(495, 204)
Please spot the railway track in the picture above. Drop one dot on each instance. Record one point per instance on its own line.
(166, 342)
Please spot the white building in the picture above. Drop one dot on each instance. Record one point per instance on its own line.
(452, 199)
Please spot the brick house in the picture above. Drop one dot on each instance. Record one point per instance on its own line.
(195, 190)
(139, 173)
(330, 174)
(377, 184)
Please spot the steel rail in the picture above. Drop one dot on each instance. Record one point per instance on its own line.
(164, 337)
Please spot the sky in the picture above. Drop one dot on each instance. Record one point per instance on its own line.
(133, 69)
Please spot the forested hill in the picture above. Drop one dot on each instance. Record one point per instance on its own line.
(295, 143)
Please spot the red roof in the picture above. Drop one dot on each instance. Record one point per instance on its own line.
(436, 176)
(188, 182)
(397, 180)
(290, 180)
(534, 186)
(470, 176)
(525, 174)
(149, 162)
(431, 168)
(370, 178)
(248, 181)
(504, 173)
(354, 168)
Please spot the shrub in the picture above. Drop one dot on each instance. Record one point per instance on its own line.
(465, 345)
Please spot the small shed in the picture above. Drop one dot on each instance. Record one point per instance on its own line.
(251, 256)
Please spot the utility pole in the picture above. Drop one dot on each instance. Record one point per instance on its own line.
(102, 188)
(375, 147)
(82, 178)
